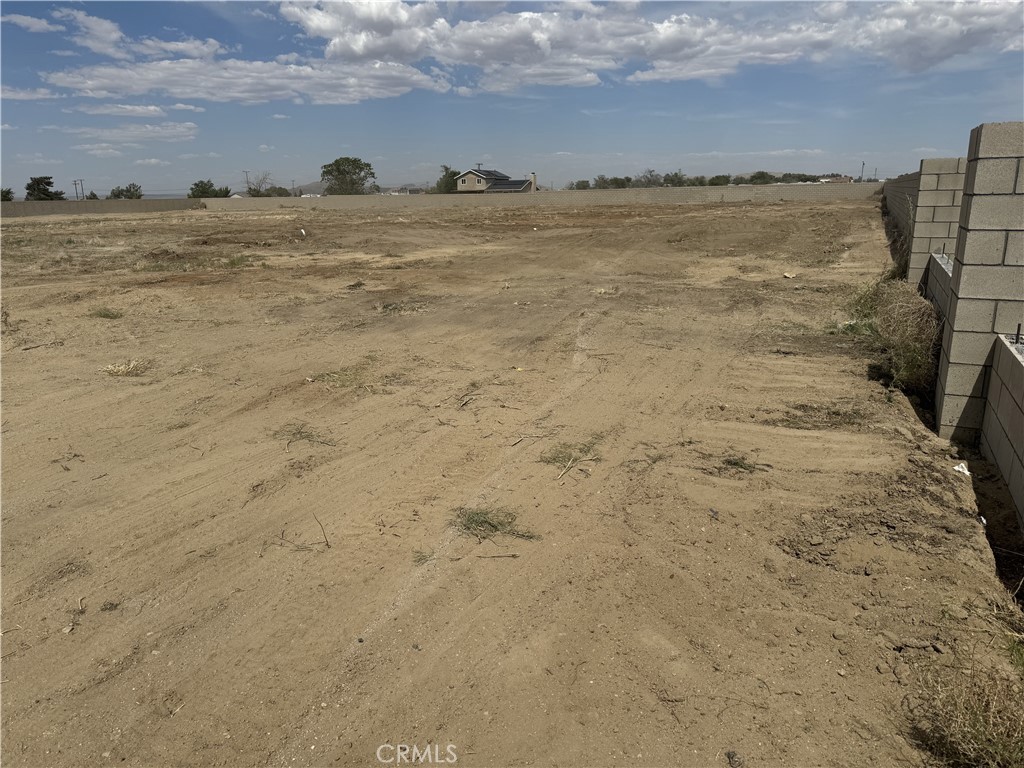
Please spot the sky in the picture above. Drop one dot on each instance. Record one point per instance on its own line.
(163, 94)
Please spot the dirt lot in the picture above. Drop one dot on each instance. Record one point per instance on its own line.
(731, 546)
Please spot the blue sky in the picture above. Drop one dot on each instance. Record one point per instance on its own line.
(162, 94)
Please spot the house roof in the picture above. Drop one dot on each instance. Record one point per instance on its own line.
(485, 174)
(509, 185)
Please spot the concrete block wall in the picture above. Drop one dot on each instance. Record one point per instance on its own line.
(986, 289)
(742, 193)
(75, 207)
(937, 213)
(938, 277)
(768, 193)
(1002, 428)
(901, 201)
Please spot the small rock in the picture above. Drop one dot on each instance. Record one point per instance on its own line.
(816, 541)
(839, 634)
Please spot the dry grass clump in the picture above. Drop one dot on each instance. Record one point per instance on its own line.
(565, 453)
(133, 367)
(486, 523)
(107, 313)
(300, 432)
(970, 717)
(905, 329)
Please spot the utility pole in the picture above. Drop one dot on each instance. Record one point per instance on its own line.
(246, 181)
(81, 183)
(75, 182)
(293, 187)
(862, 164)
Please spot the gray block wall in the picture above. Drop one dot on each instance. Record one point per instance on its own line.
(75, 207)
(901, 201)
(986, 287)
(937, 213)
(1002, 430)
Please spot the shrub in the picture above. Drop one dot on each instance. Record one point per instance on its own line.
(904, 328)
(970, 717)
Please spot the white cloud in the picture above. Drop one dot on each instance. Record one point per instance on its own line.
(104, 149)
(187, 108)
(31, 23)
(151, 161)
(37, 158)
(248, 82)
(761, 153)
(96, 34)
(189, 48)
(573, 43)
(6, 127)
(122, 110)
(193, 156)
(28, 94)
(106, 38)
(385, 49)
(65, 54)
(281, 117)
(266, 148)
(140, 132)
(99, 150)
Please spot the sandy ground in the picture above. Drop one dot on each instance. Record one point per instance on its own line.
(245, 555)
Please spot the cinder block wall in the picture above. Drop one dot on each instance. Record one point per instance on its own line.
(1002, 430)
(986, 292)
(901, 201)
(938, 276)
(768, 193)
(74, 207)
(937, 214)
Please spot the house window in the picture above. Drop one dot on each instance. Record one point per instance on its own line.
(479, 181)
(462, 181)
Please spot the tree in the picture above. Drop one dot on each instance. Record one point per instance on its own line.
(273, 191)
(92, 196)
(446, 184)
(41, 188)
(580, 184)
(761, 177)
(205, 188)
(347, 176)
(258, 185)
(721, 180)
(649, 178)
(6, 195)
(128, 192)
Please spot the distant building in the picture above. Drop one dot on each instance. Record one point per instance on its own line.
(836, 180)
(483, 180)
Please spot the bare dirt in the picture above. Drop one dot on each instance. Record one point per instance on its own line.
(736, 548)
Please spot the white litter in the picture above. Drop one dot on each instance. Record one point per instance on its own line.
(303, 232)
(962, 469)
